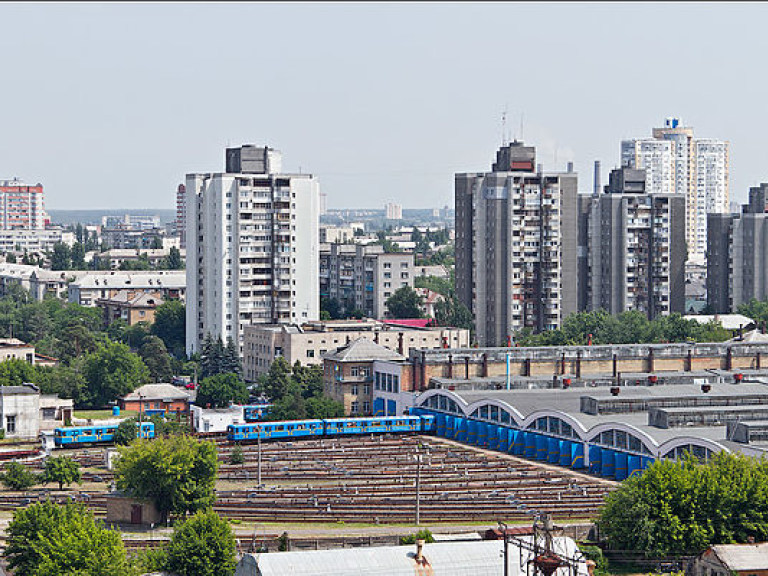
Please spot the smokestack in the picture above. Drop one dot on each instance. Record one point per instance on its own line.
(597, 177)
(570, 167)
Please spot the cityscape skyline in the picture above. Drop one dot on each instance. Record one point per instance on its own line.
(377, 100)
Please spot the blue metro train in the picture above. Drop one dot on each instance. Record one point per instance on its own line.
(96, 434)
(256, 412)
(331, 427)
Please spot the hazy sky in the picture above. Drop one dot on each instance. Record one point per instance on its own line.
(110, 105)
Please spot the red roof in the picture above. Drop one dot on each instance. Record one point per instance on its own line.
(411, 322)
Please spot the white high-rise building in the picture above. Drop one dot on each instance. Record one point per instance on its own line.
(676, 162)
(393, 211)
(252, 247)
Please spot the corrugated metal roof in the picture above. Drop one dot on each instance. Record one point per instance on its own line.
(743, 556)
(363, 350)
(157, 392)
(443, 558)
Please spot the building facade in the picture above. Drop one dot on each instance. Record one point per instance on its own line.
(635, 248)
(21, 206)
(678, 163)
(737, 254)
(18, 241)
(181, 215)
(309, 342)
(363, 277)
(252, 247)
(516, 245)
(393, 211)
(85, 290)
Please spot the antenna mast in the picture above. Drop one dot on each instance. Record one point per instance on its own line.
(504, 127)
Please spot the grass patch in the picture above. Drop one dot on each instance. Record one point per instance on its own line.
(103, 414)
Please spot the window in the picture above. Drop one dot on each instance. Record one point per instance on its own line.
(367, 409)
(10, 424)
(310, 353)
(367, 389)
(49, 413)
(354, 389)
(354, 407)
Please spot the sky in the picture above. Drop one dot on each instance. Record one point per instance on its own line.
(110, 105)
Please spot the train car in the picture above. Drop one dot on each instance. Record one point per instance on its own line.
(428, 425)
(95, 434)
(275, 430)
(256, 412)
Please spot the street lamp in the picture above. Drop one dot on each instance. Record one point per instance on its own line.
(504, 533)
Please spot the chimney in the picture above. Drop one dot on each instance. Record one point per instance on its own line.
(570, 167)
(419, 550)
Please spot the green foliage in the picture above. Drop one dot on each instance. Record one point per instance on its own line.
(423, 534)
(236, 457)
(442, 286)
(126, 432)
(405, 303)
(15, 372)
(51, 540)
(17, 476)
(112, 372)
(755, 309)
(202, 546)
(134, 335)
(61, 470)
(452, 312)
(215, 358)
(177, 473)
(221, 390)
(170, 326)
(297, 393)
(61, 257)
(174, 260)
(626, 328)
(320, 407)
(155, 355)
(332, 308)
(595, 553)
(684, 507)
(275, 383)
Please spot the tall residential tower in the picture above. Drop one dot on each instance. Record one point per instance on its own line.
(252, 246)
(516, 245)
(676, 162)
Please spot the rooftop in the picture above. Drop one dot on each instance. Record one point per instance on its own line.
(157, 392)
(740, 557)
(362, 350)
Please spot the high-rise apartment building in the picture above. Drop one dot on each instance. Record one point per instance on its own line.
(363, 277)
(252, 246)
(21, 206)
(181, 215)
(737, 254)
(676, 162)
(393, 211)
(635, 245)
(516, 245)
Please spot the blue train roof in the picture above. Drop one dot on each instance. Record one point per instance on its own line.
(369, 418)
(281, 422)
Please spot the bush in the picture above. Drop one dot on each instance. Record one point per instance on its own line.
(423, 534)
(595, 553)
(236, 457)
(202, 546)
(17, 476)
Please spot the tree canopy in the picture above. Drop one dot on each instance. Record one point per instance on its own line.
(678, 507)
(171, 325)
(297, 392)
(61, 470)
(405, 303)
(177, 473)
(111, 372)
(202, 546)
(47, 539)
(221, 390)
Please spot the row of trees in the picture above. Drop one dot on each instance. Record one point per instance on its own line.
(49, 539)
(61, 471)
(600, 327)
(64, 257)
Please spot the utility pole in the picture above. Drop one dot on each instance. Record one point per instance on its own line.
(258, 431)
(506, 547)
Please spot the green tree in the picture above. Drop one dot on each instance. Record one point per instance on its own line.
(47, 539)
(405, 303)
(61, 470)
(290, 406)
(111, 372)
(177, 473)
(64, 381)
(15, 372)
(332, 307)
(231, 359)
(683, 506)
(170, 326)
(236, 457)
(442, 286)
(174, 260)
(74, 340)
(17, 476)
(452, 312)
(212, 356)
(126, 432)
(78, 256)
(221, 390)
(274, 384)
(202, 546)
(61, 257)
(155, 355)
(321, 407)
(134, 335)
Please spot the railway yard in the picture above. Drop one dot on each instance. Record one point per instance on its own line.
(360, 485)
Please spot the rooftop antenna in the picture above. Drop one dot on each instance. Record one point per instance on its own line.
(504, 127)
(521, 126)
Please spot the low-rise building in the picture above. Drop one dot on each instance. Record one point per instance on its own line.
(348, 374)
(164, 397)
(262, 344)
(15, 349)
(131, 306)
(732, 560)
(20, 241)
(155, 256)
(170, 284)
(54, 411)
(212, 420)
(20, 410)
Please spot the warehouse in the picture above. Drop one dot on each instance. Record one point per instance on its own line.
(612, 431)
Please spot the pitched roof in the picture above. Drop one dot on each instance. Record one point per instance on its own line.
(157, 392)
(363, 350)
(740, 557)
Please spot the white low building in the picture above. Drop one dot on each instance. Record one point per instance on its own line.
(172, 284)
(213, 420)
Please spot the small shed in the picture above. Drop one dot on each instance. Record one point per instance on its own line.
(165, 397)
(732, 560)
(124, 509)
